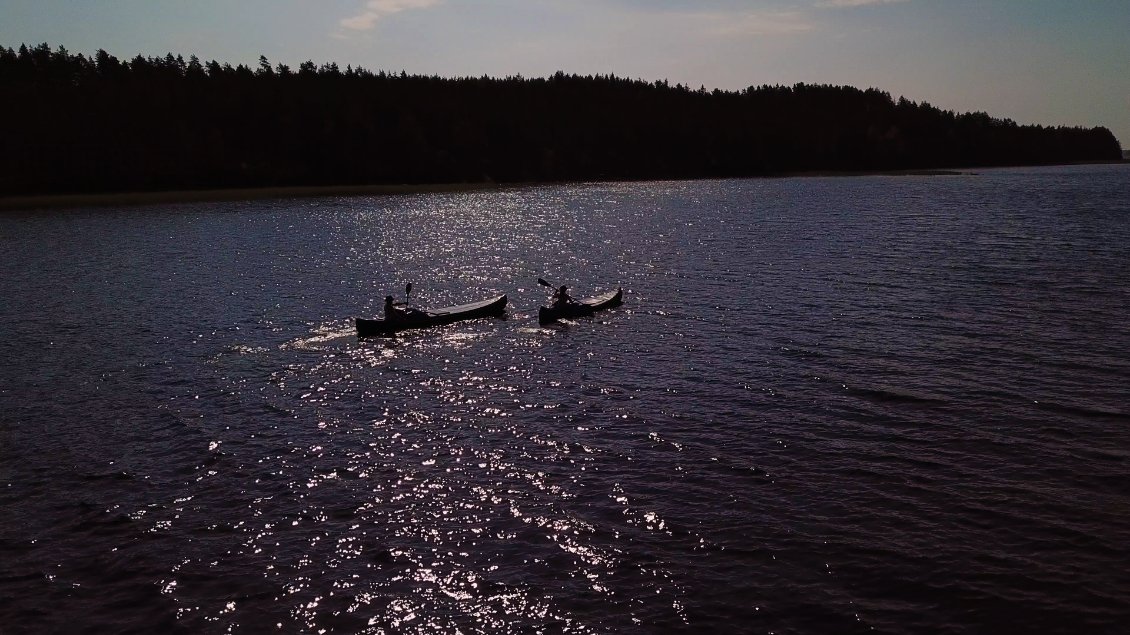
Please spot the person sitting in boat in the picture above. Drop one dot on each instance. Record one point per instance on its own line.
(394, 312)
(561, 297)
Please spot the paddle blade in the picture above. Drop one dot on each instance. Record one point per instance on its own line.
(545, 284)
(408, 289)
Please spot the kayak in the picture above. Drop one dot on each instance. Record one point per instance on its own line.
(588, 306)
(424, 319)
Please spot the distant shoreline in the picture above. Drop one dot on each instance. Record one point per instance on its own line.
(134, 199)
(131, 199)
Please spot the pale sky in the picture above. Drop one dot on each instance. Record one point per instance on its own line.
(1049, 62)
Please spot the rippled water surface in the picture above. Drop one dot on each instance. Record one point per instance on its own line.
(876, 404)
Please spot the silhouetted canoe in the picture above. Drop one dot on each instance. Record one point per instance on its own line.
(485, 308)
(588, 306)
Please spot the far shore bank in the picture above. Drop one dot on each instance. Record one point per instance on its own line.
(134, 199)
(131, 199)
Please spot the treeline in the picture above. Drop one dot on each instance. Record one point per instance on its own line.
(72, 123)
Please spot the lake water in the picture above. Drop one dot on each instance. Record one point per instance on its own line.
(828, 405)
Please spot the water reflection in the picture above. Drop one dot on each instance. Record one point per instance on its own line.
(784, 385)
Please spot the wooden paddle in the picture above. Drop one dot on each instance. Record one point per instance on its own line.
(408, 292)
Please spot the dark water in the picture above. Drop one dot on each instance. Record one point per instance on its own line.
(840, 405)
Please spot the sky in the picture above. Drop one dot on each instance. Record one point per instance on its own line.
(1050, 62)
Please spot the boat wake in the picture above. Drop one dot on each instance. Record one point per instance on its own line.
(322, 335)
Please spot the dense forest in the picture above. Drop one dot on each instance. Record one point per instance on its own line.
(72, 123)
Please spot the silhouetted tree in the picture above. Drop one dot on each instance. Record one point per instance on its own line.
(73, 124)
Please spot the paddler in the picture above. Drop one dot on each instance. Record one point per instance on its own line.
(393, 313)
(561, 297)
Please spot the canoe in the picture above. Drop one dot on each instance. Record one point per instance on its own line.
(581, 308)
(436, 317)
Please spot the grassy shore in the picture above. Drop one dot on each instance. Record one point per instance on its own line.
(130, 199)
(133, 199)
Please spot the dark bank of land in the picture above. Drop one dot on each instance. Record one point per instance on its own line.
(78, 125)
(125, 199)
(129, 199)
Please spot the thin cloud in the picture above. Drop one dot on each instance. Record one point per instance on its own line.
(781, 23)
(376, 9)
(744, 24)
(832, 4)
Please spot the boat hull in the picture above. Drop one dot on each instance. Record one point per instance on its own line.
(485, 308)
(583, 308)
